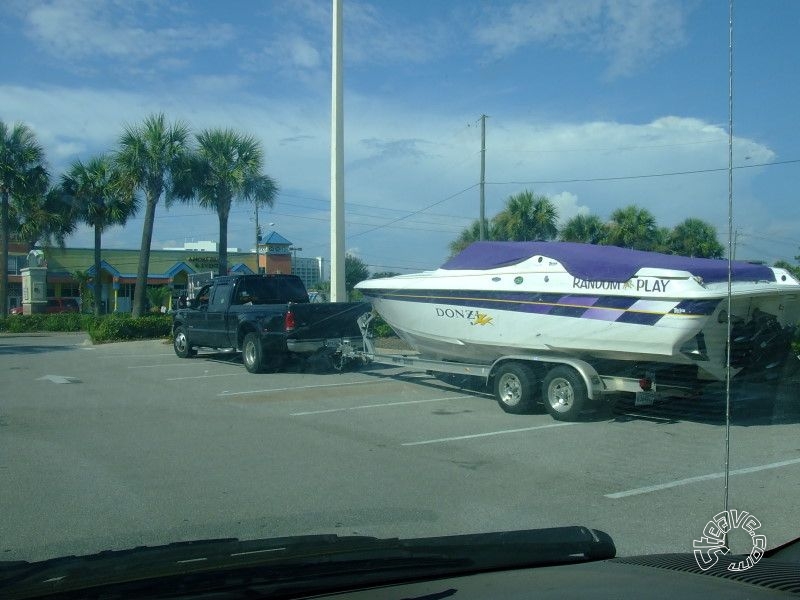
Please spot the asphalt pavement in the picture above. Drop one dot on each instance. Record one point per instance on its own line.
(118, 445)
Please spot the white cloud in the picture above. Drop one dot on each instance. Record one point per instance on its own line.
(286, 53)
(567, 205)
(420, 160)
(91, 29)
(370, 37)
(629, 32)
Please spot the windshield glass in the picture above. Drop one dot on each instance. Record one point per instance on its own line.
(539, 198)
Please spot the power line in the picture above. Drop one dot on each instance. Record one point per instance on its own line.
(416, 212)
(647, 176)
(621, 147)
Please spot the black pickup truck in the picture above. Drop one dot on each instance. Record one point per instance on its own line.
(266, 317)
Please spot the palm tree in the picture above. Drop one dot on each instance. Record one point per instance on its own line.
(527, 217)
(22, 175)
(695, 237)
(228, 166)
(83, 278)
(469, 235)
(42, 219)
(588, 229)
(150, 157)
(101, 199)
(632, 227)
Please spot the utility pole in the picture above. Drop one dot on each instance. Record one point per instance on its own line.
(258, 236)
(483, 178)
(338, 292)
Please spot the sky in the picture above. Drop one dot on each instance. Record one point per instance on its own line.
(597, 104)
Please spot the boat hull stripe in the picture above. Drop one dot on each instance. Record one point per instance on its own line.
(622, 309)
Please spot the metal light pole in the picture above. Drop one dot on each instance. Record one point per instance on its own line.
(338, 292)
(294, 250)
(482, 228)
(258, 239)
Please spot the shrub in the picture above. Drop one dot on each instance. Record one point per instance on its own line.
(381, 329)
(108, 328)
(118, 327)
(63, 322)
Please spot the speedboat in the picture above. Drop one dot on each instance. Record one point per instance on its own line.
(592, 302)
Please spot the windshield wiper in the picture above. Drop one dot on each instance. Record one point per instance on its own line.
(284, 567)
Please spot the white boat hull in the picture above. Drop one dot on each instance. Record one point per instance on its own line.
(657, 316)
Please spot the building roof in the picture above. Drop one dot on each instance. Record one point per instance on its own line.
(164, 264)
(277, 239)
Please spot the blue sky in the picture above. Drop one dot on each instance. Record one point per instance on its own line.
(576, 92)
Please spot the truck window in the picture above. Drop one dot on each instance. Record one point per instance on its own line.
(203, 295)
(219, 300)
(293, 290)
(264, 291)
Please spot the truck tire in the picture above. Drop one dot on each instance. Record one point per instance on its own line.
(259, 359)
(181, 343)
(515, 387)
(564, 393)
(253, 353)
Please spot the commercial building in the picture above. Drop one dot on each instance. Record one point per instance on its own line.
(69, 268)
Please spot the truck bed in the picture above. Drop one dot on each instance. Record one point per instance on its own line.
(315, 323)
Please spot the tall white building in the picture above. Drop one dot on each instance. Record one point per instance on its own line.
(309, 269)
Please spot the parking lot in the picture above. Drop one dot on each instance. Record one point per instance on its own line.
(117, 445)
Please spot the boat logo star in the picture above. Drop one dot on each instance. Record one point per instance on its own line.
(482, 319)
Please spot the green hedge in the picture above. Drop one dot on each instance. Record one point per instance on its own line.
(114, 328)
(108, 328)
(54, 322)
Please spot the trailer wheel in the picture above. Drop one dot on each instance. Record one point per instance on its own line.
(564, 393)
(515, 388)
(181, 343)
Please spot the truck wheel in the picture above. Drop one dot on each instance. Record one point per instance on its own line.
(253, 353)
(564, 393)
(515, 388)
(181, 343)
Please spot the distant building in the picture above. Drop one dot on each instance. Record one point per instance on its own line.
(204, 246)
(118, 271)
(278, 255)
(274, 254)
(169, 266)
(310, 270)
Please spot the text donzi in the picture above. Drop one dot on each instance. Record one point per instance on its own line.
(474, 317)
(456, 313)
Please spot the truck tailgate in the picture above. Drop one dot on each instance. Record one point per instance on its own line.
(326, 320)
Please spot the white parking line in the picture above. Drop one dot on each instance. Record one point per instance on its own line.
(166, 365)
(301, 387)
(130, 355)
(480, 435)
(363, 406)
(698, 478)
(202, 376)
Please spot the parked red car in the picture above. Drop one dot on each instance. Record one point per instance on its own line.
(54, 305)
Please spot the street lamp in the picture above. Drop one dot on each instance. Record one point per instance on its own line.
(294, 250)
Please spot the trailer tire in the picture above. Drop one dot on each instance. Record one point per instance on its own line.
(180, 343)
(515, 388)
(564, 393)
